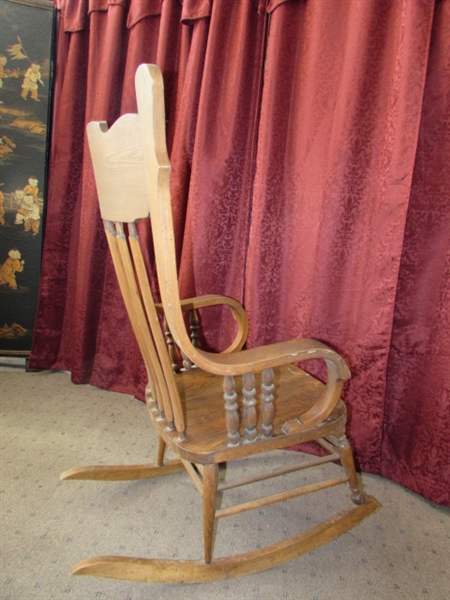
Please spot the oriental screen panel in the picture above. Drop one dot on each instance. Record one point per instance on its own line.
(26, 28)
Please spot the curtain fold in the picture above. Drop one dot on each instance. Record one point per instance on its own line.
(221, 152)
(309, 142)
(81, 314)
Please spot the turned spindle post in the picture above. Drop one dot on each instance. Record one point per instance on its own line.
(267, 409)
(343, 448)
(249, 392)
(149, 400)
(194, 327)
(231, 407)
(187, 363)
(171, 347)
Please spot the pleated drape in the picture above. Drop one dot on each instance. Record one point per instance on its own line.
(309, 142)
(416, 444)
(338, 141)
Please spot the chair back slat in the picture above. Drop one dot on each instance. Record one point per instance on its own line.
(138, 312)
(150, 101)
(130, 293)
(170, 387)
(138, 331)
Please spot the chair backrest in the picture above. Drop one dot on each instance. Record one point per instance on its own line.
(123, 186)
(132, 172)
(150, 101)
(132, 175)
(131, 163)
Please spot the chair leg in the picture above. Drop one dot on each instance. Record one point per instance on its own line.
(343, 448)
(210, 483)
(161, 452)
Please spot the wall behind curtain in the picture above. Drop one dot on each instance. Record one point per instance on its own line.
(307, 176)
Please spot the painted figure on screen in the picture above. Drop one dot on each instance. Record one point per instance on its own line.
(30, 82)
(12, 265)
(28, 213)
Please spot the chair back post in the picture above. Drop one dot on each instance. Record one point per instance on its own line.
(150, 102)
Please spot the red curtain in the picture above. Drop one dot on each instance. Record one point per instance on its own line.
(308, 141)
(220, 156)
(416, 444)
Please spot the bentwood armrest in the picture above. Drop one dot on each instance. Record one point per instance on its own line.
(269, 356)
(209, 300)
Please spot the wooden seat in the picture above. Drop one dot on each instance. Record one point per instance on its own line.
(209, 408)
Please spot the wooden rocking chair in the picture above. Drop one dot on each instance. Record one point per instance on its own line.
(196, 407)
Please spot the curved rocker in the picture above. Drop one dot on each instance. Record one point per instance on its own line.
(196, 571)
(122, 472)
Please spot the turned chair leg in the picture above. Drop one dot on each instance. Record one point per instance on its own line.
(343, 448)
(210, 483)
(161, 452)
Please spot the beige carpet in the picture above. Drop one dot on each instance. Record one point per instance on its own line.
(48, 425)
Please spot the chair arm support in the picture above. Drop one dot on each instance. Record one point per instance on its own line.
(324, 405)
(209, 300)
(283, 353)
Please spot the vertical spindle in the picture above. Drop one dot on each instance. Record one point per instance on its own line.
(231, 407)
(249, 392)
(194, 327)
(187, 363)
(171, 347)
(267, 409)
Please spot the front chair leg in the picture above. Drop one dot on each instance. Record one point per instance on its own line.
(343, 448)
(210, 483)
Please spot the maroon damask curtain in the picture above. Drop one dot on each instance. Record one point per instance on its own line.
(81, 324)
(334, 191)
(220, 145)
(416, 443)
(309, 145)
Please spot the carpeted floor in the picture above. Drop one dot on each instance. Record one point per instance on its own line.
(48, 424)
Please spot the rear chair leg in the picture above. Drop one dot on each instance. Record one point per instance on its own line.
(161, 452)
(210, 483)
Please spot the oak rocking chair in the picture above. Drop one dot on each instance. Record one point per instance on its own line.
(196, 407)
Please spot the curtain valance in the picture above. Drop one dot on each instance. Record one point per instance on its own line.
(75, 15)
